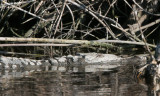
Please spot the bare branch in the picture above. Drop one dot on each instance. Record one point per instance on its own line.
(94, 15)
(33, 44)
(125, 42)
(24, 11)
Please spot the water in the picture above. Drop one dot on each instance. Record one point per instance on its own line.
(119, 81)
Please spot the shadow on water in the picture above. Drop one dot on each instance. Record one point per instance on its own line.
(120, 81)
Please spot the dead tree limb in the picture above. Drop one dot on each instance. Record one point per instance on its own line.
(60, 41)
(125, 42)
(64, 41)
(33, 44)
(145, 26)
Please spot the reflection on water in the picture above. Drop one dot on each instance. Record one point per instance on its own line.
(118, 82)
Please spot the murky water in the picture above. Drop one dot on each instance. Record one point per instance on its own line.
(116, 82)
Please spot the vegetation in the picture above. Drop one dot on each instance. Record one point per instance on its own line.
(105, 24)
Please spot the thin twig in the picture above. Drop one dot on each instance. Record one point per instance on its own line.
(152, 31)
(24, 11)
(95, 16)
(18, 3)
(145, 26)
(127, 34)
(60, 17)
(73, 20)
(143, 38)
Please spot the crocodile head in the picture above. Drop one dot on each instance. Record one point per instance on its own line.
(151, 70)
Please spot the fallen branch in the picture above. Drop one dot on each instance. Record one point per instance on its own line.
(41, 44)
(60, 41)
(125, 42)
(65, 41)
(43, 40)
(145, 26)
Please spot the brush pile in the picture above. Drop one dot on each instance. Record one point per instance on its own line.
(103, 20)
